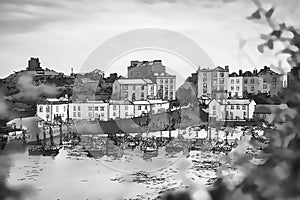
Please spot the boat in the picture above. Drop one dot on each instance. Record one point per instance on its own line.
(48, 150)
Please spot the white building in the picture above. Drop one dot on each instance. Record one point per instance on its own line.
(158, 106)
(49, 109)
(231, 109)
(121, 109)
(89, 110)
(235, 86)
(141, 108)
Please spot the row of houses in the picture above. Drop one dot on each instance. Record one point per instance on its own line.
(146, 80)
(217, 83)
(241, 110)
(50, 109)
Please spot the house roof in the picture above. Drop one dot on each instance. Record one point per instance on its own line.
(156, 101)
(238, 101)
(24, 120)
(268, 109)
(141, 102)
(120, 102)
(127, 81)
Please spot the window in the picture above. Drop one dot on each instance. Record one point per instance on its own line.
(222, 74)
(264, 80)
(265, 86)
(222, 81)
(114, 107)
(245, 89)
(214, 112)
(237, 107)
(126, 113)
(139, 107)
(126, 107)
(125, 87)
(125, 94)
(246, 81)
(152, 87)
(102, 108)
(214, 107)
(274, 85)
(252, 80)
(166, 81)
(232, 107)
(171, 87)
(48, 109)
(142, 87)
(57, 109)
(47, 116)
(166, 87)
(79, 114)
(102, 114)
(74, 108)
(237, 88)
(205, 79)
(232, 81)
(244, 107)
(204, 85)
(161, 81)
(171, 80)
(214, 74)
(65, 108)
(142, 95)
(114, 114)
(274, 79)
(90, 108)
(133, 87)
(96, 108)
(78, 108)
(237, 81)
(90, 114)
(252, 88)
(145, 107)
(41, 108)
(222, 87)
(74, 114)
(204, 74)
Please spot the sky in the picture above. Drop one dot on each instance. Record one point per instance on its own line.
(64, 33)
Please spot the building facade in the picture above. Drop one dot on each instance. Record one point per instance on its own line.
(231, 110)
(121, 109)
(133, 89)
(50, 109)
(89, 110)
(156, 72)
(213, 82)
(271, 81)
(235, 86)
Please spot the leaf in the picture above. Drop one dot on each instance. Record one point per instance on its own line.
(264, 36)
(269, 13)
(277, 33)
(282, 26)
(261, 48)
(255, 15)
(270, 44)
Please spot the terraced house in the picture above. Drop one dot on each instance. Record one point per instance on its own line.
(213, 82)
(133, 89)
(156, 72)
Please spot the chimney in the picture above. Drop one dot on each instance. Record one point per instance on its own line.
(226, 67)
(255, 72)
(240, 72)
(134, 63)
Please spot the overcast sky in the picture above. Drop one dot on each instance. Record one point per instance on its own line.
(64, 33)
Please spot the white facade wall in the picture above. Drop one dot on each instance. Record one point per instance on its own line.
(49, 111)
(141, 107)
(114, 111)
(235, 86)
